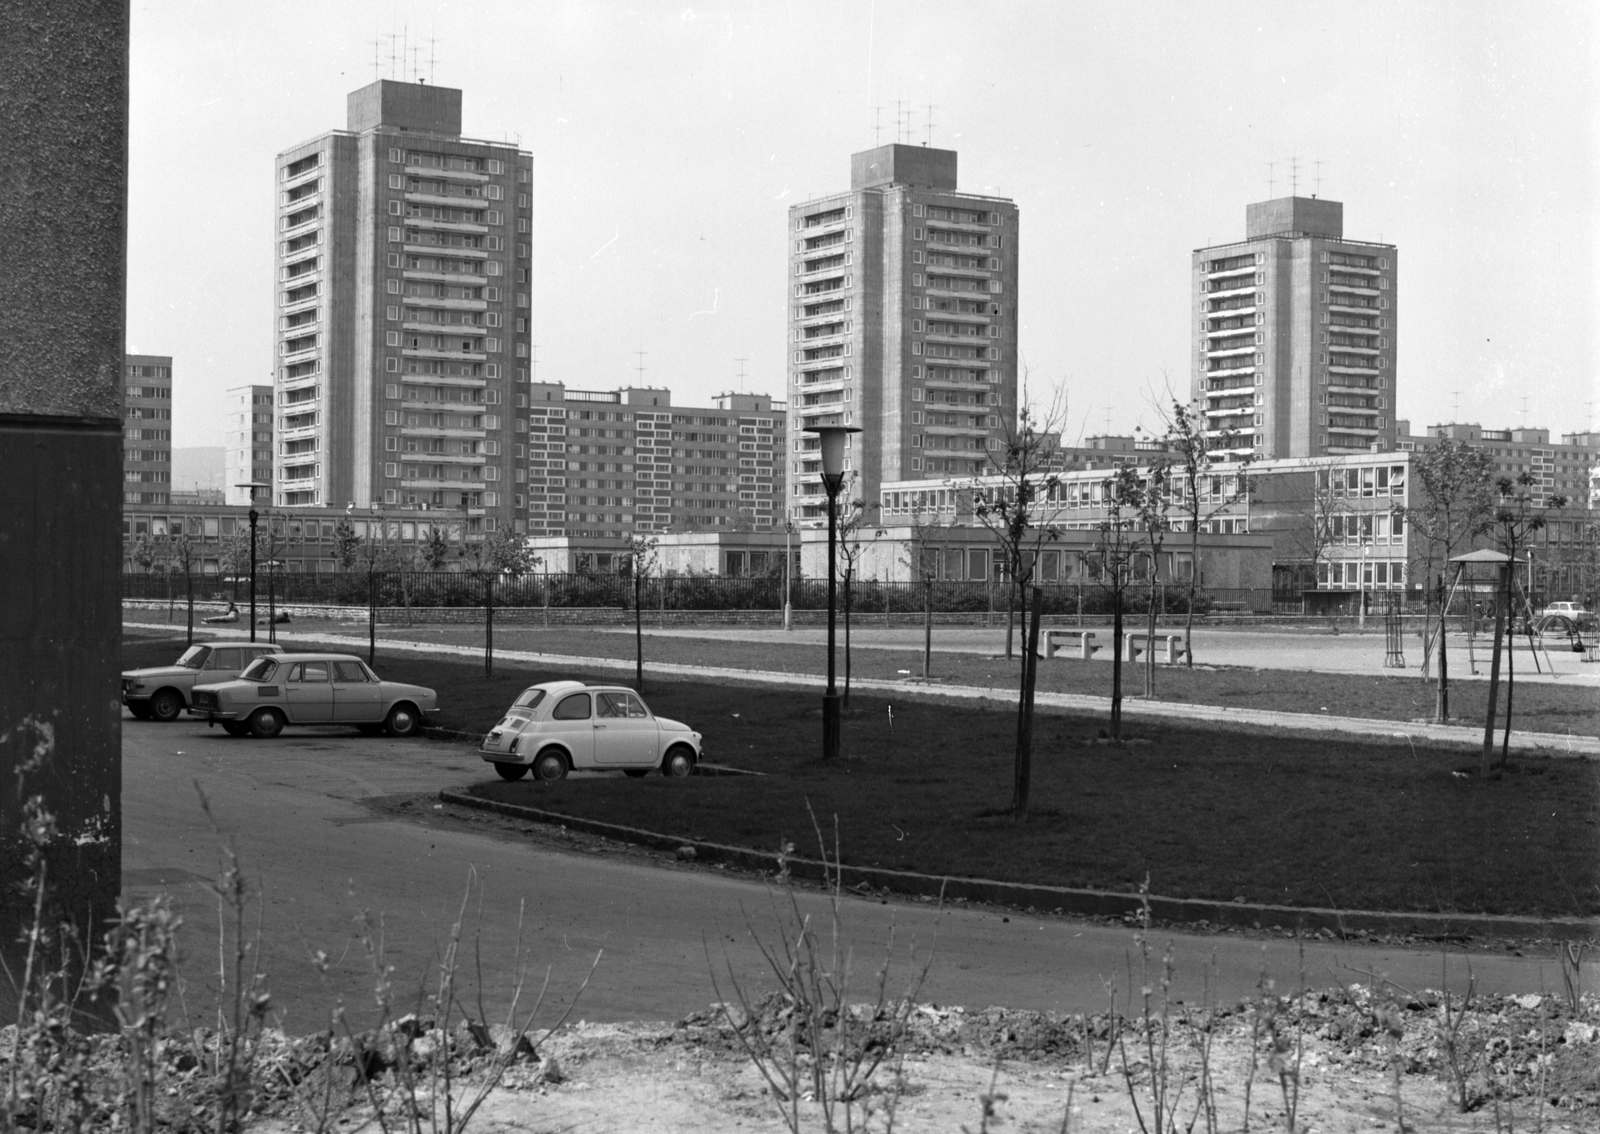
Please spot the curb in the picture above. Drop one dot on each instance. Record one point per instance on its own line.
(1069, 900)
(1376, 729)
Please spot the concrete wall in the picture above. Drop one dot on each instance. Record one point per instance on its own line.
(63, 224)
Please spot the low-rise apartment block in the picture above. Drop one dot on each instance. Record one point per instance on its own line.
(604, 465)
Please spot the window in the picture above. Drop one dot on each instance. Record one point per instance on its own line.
(394, 156)
(573, 708)
(349, 672)
(394, 208)
(392, 338)
(392, 471)
(394, 259)
(392, 365)
(391, 390)
(396, 181)
(394, 287)
(394, 234)
(311, 672)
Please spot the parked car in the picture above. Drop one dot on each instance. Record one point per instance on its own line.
(564, 726)
(162, 692)
(284, 689)
(1568, 608)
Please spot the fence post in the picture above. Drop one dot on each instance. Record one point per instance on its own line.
(488, 626)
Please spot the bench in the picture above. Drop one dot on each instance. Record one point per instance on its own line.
(1136, 641)
(1051, 641)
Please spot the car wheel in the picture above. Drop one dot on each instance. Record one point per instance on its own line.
(634, 773)
(234, 728)
(140, 712)
(266, 723)
(550, 765)
(679, 761)
(403, 720)
(511, 771)
(166, 705)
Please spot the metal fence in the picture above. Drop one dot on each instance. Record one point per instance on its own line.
(667, 593)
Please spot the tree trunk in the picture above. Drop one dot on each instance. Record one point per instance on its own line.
(638, 633)
(1494, 689)
(488, 626)
(1116, 662)
(1188, 622)
(1023, 780)
(1442, 704)
(844, 702)
(927, 630)
(1011, 599)
(1511, 664)
(188, 580)
(1150, 645)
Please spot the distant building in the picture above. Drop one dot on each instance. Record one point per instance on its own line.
(1295, 326)
(1564, 468)
(146, 428)
(403, 305)
(903, 322)
(247, 458)
(609, 464)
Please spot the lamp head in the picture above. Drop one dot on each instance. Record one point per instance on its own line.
(832, 438)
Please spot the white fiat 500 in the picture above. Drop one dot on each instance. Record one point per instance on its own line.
(562, 726)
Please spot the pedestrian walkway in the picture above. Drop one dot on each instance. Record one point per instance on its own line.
(1553, 743)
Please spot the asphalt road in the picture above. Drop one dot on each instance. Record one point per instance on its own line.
(304, 813)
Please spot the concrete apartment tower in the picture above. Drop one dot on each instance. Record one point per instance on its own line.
(247, 448)
(903, 323)
(402, 307)
(1294, 334)
(147, 429)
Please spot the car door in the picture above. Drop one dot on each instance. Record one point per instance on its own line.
(625, 735)
(356, 699)
(227, 662)
(308, 694)
(572, 724)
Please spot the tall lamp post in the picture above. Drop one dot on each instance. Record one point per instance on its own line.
(255, 516)
(832, 438)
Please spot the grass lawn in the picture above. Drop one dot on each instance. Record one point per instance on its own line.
(1207, 812)
(1538, 707)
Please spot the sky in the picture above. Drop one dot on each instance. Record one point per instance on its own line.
(669, 141)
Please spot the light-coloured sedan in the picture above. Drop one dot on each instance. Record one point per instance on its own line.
(163, 691)
(318, 689)
(564, 726)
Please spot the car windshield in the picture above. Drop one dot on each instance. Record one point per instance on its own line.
(261, 669)
(195, 657)
(529, 700)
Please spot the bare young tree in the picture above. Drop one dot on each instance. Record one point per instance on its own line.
(921, 559)
(1518, 516)
(1452, 484)
(1209, 481)
(642, 560)
(1019, 501)
(1154, 509)
(852, 543)
(1311, 533)
(1114, 558)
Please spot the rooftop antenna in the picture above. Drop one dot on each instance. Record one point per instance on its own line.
(433, 42)
(1319, 165)
(877, 125)
(534, 362)
(927, 139)
(391, 54)
(1524, 411)
(1108, 421)
(741, 362)
(376, 71)
(1455, 407)
(1294, 175)
(1272, 182)
(639, 354)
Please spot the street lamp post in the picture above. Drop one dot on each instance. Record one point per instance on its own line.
(788, 561)
(254, 516)
(832, 438)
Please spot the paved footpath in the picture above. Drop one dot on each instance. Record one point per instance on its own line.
(1553, 743)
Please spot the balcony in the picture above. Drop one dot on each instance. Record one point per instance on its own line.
(427, 224)
(445, 458)
(430, 173)
(1225, 352)
(956, 430)
(300, 484)
(1241, 270)
(1244, 285)
(1358, 289)
(295, 432)
(446, 304)
(460, 278)
(1372, 411)
(454, 355)
(958, 271)
(957, 340)
(449, 251)
(470, 330)
(465, 433)
(457, 485)
(1226, 371)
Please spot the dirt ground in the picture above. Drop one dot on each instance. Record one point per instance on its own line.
(1034, 1073)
